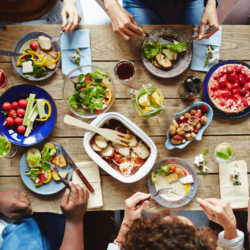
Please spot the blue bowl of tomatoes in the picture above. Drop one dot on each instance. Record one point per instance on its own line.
(13, 104)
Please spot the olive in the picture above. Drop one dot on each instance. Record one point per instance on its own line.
(78, 86)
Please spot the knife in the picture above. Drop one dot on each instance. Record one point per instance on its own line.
(66, 183)
(158, 39)
(9, 53)
(78, 171)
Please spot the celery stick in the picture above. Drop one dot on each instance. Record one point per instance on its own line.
(28, 130)
(34, 115)
(33, 111)
(28, 109)
(41, 108)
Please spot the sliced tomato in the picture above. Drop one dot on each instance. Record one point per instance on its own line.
(82, 88)
(172, 168)
(42, 177)
(98, 111)
(107, 95)
(88, 78)
(177, 171)
(184, 172)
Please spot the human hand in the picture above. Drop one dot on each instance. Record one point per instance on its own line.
(14, 204)
(76, 208)
(209, 17)
(123, 23)
(70, 11)
(131, 212)
(220, 211)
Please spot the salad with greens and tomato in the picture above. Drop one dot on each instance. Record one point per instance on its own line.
(91, 93)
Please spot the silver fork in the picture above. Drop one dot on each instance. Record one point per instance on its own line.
(55, 39)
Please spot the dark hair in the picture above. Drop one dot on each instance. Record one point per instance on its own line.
(156, 234)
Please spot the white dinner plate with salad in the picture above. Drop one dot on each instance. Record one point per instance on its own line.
(167, 61)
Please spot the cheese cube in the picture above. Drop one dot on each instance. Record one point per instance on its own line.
(187, 179)
(27, 67)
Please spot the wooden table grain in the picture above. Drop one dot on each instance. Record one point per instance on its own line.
(107, 49)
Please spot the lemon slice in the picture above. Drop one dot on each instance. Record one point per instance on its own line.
(144, 100)
(222, 148)
(146, 109)
(155, 98)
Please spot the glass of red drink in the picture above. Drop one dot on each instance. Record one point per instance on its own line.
(3, 78)
(125, 72)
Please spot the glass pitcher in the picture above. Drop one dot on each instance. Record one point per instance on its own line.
(148, 101)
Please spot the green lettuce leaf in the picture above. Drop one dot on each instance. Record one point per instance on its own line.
(153, 178)
(151, 49)
(34, 160)
(178, 48)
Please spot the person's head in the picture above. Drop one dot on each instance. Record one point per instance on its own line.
(157, 233)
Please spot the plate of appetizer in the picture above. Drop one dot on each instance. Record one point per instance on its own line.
(167, 60)
(89, 94)
(227, 88)
(37, 175)
(28, 114)
(40, 58)
(189, 125)
(177, 175)
(125, 163)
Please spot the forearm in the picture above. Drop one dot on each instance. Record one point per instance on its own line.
(123, 231)
(231, 232)
(73, 236)
(109, 4)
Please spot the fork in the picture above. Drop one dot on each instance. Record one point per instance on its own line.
(108, 134)
(55, 39)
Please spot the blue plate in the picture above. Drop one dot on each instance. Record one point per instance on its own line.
(19, 44)
(40, 129)
(193, 188)
(206, 81)
(46, 189)
(198, 137)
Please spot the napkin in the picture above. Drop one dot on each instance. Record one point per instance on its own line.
(236, 195)
(201, 47)
(69, 42)
(92, 173)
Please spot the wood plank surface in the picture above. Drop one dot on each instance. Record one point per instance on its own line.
(106, 46)
(10, 167)
(114, 193)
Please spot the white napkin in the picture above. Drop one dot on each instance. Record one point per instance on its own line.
(92, 173)
(236, 195)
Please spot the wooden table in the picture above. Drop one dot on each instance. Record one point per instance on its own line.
(107, 49)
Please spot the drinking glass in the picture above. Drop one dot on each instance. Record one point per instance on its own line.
(6, 148)
(5, 80)
(223, 153)
(125, 72)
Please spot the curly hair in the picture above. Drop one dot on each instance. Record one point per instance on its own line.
(156, 234)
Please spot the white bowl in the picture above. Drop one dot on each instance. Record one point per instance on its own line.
(143, 170)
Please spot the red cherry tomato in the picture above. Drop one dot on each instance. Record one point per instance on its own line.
(33, 46)
(18, 121)
(9, 122)
(6, 106)
(20, 112)
(184, 172)
(98, 111)
(172, 168)
(88, 78)
(14, 105)
(177, 171)
(21, 129)
(12, 113)
(22, 103)
(82, 88)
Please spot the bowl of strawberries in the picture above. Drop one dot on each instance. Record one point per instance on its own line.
(189, 125)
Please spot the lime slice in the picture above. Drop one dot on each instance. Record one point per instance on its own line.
(144, 100)
(155, 98)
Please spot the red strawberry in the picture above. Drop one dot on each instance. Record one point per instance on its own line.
(196, 107)
(230, 86)
(243, 92)
(204, 109)
(178, 137)
(225, 94)
(217, 94)
(222, 83)
(222, 102)
(245, 102)
(235, 86)
(235, 91)
(242, 81)
(244, 72)
(214, 86)
(231, 78)
(184, 120)
(196, 130)
(229, 69)
(238, 68)
(196, 115)
(247, 86)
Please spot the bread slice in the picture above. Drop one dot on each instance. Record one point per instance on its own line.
(35, 152)
(43, 54)
(45, 43)
(50, 58)
(172, 178)
(60, 161)
(53, 54)
(171, 55)
(57, 178)
(163, 61)
(52, 146)
(156, 64)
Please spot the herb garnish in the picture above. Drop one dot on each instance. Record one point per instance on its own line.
(209, 56)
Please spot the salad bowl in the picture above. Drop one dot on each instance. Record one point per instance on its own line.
(198, 137)
(90, 103)
(41, 130)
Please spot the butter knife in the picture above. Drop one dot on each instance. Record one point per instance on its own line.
(78, 171)
(9, 53)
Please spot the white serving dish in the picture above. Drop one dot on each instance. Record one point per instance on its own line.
(143, 170)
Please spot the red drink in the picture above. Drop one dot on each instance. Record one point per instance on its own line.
(3, 78)
(125, 71)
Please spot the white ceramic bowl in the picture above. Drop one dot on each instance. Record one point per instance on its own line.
(143, 170)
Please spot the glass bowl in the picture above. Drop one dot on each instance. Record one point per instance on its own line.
(69, 89)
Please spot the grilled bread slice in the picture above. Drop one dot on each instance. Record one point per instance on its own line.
(44, 43)
(163, 61)
(60, 161)
(50, 58)
(171, 55)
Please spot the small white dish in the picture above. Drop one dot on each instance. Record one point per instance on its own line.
(198, 137)
(143, 170)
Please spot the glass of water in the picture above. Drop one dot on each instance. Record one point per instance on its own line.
(223, 153)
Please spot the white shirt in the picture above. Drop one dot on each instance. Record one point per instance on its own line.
(224, 244)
